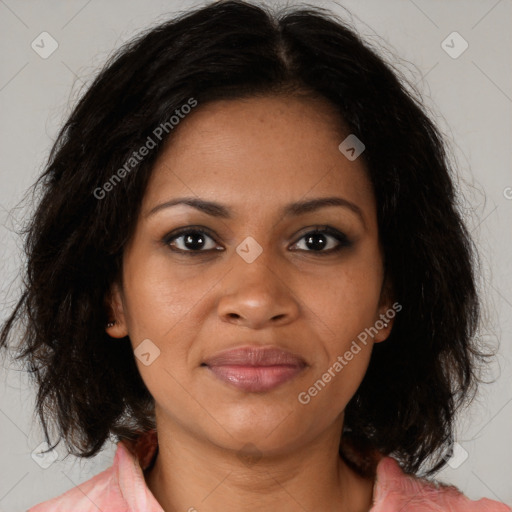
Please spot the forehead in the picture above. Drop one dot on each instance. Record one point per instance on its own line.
(259, 151)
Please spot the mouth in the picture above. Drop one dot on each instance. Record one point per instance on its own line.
(255, 369)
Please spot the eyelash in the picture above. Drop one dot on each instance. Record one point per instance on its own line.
(344, 242)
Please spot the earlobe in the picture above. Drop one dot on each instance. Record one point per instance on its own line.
(385, 320)
(384, 324)
(116, 330)
(116, 325)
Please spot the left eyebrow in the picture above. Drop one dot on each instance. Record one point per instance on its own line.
(291, 210)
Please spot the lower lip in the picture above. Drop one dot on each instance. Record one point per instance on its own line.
(255, 378)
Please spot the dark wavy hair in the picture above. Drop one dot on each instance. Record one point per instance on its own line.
(89, 388)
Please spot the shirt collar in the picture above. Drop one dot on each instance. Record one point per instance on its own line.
(131, 459)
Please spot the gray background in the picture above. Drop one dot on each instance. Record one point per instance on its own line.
(470, 97)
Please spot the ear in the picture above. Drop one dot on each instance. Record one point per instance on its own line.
(387, 311)
(114, 304)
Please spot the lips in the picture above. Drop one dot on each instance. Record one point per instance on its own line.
(255, 369)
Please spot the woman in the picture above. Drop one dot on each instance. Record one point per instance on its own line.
(247, 267)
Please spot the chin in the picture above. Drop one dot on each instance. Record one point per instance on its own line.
(268, 428)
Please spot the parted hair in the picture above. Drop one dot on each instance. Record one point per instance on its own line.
(89, 389)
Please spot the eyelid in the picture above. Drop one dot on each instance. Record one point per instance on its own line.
(342, 239)
(171, 236)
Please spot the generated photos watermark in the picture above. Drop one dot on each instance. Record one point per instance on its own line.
(138, 156)
(304, 397)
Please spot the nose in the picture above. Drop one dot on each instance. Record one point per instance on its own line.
(258, 294)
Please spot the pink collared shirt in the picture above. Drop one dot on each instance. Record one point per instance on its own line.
(122, 488)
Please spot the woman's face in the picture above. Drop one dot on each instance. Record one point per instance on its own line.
(257, 277)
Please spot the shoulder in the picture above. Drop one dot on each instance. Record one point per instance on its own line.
(88, 496)
(396, 490)
(120, 488)
(104, 491)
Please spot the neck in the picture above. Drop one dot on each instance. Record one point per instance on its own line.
(191, 473)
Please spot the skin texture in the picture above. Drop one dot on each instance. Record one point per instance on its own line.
(255, 156)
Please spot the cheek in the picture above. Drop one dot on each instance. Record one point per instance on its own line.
(161, 296)
(347, 303)
(330, 393)
(167, 304)
(339, 379)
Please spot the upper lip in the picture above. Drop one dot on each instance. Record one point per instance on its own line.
(255, 356)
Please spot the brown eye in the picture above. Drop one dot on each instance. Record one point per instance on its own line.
(323, 241)
(190, 240)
